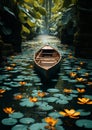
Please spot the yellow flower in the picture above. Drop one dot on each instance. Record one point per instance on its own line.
(31, 66)
(89, 83)
(78, 68)
(2, 90)
(72, 74)
(51, 121)
(67, 90)
(9, 68)
(80, 79)
(33, 99)
(71, 113)
(81, 90)
(81, 63)
(13, 65)
(17, 97)
(86, 74)
(8, 110)
(41, 94)
(22, 82)
(84, 101)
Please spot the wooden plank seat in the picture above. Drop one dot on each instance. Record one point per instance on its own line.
(46, 64)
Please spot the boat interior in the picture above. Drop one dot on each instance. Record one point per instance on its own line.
(47, 58)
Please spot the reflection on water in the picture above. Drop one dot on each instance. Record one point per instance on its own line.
(69, 92)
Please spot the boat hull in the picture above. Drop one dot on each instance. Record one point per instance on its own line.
(47, 74)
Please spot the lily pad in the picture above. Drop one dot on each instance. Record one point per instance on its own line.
(38, 126)
(19, 127)
(14, 84)
(54, 114)
(45, 107)
(80, 86)
(9, 121)
(53, 90)
(16, 115)
(61, 101)
(83, 112)
(26, 120)
(84, 123)
(26, 102)
(51, 99)
(5, 88)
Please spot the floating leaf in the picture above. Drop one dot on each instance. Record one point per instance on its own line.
(83, 112)
(53, 90)
(26, 102)
(51, 99)
(61, 101)
(16, 115)
(84, 123)
(26, 120)
(54, 114)
(38, 126)
(45, 107)
(9, 121)
(19, 127)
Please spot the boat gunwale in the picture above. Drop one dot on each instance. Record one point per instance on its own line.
(53, 64)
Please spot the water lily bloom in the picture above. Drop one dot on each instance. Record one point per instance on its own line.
(67, 90)
(80, 79)
(89, 83)
(17, 97)
(78, 68)
(81, 90)
(8, 110)
(31, 66)
(86, 74)
(33, 99)
(9, 68)
(51, 121)
(22, 82)
(41, 94)
(71, 113)
(13, 64)
(84, 101)
(2, 90)
(72, 74)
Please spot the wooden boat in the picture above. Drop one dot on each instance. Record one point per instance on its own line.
(47, 61)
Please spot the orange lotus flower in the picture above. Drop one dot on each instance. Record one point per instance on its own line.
(72, 74)
(78, 68)
(17, 97)
(9, 68)
(51, 121)
(31, 66)
(8, 110)
(33, 99)
(67, 90)
(89, 83)
(12, 57)
(22, 82)
(81, 90)
(81, 63)
(13, 65)
(84, 101)
(2, 90)
(71, 113)
(41, 94)
(80, 79)
(86, 74)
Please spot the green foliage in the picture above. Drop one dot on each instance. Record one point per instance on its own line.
(31, 13)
